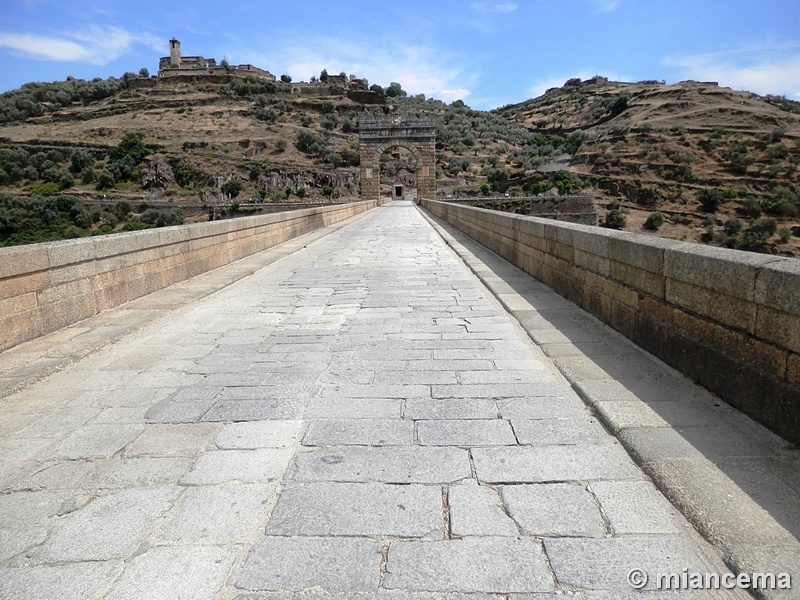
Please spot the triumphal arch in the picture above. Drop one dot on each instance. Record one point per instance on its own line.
(377, 136)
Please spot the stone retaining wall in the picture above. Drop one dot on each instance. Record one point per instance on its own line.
(729, 320)
(44, 287)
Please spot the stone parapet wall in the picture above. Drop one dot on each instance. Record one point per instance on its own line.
(44, 287)
(729, 320)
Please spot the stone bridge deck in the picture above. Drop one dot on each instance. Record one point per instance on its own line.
(356, 414)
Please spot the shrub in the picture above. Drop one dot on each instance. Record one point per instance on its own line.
(710, 200)
(654, 221)
(732, 226)
(231, 188)
(616, 219)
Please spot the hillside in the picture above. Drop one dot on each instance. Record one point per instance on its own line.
(687, 150)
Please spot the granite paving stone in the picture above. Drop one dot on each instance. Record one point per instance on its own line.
(358, 509)
(364, 432)
(604, 564)
(259, 434)
(174, 573)
(217, 514)
(498, 565)
(542, 432)
(553, 509)
(244, 466)
(312, 564)
(401, 464)
(70, 581)
(553, 463)
(466, 433)
(450, 408)
(95, 440)
(477, 510)
(109, 527)
(634, 507)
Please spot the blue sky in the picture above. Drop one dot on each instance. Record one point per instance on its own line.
(486, 52)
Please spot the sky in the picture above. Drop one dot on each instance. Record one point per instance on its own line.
(488, 53)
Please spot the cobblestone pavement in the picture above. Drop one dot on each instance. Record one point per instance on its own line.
(358, 419)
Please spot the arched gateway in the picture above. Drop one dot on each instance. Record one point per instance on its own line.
(378, 136)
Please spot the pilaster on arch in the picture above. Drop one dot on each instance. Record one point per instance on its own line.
(418, 136)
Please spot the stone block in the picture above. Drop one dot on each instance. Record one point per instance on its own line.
(259, 434)
(776, 285)
(716, 269)
(243, 466)
(23, 260)
(24, 283)
(604, 564)
(358, 509)
(543, 432)
(168, 573)
(553, 407)
(476, 510)
(638, 278)
(138, 472)
(110, 527)
(96, 440)
(304, 564)
(635, 507)
(18, 540)
(363, 432)
(542, 464)
(642, 253)
(449, 408)
(70, 252)
(712, 304)
(779, 328)
(401, 464)
(490, 565)
(557, 509)
(218, 515)
(466, 433)
(75, 581)
(32, 509)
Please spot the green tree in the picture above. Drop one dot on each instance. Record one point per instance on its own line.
(231, 188)
(395, 90)
(286, 79)
(485, 189)
(710, 200)
(300, 192)
(131, 145)
(81, 159)
(143, 72)
(327, 191)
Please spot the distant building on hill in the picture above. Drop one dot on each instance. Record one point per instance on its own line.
(184, 68)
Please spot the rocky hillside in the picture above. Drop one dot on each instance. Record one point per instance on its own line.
(713, 161)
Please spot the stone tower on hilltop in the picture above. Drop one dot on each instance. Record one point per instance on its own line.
(175, 52)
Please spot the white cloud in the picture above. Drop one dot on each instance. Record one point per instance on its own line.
(606, 5)
(497, 7)
(419, 69)
(95, 45)
(760, 69)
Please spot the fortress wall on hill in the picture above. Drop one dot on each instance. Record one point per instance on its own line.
(728, 319)
(44, 287)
